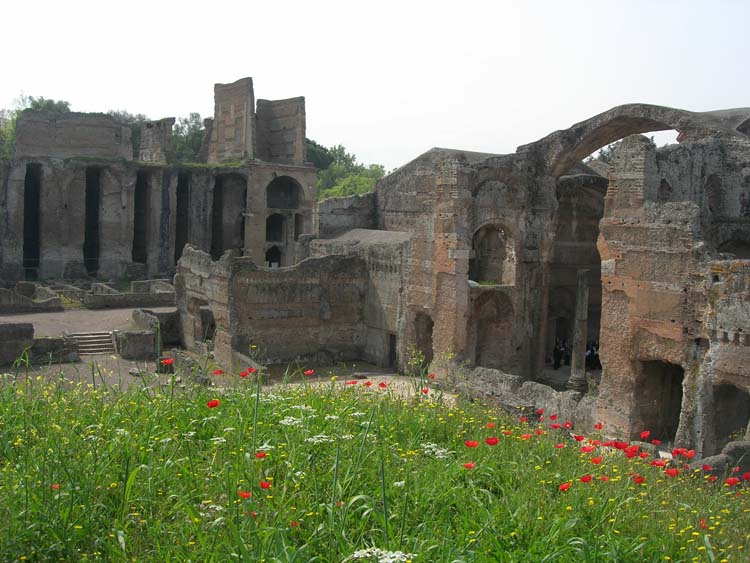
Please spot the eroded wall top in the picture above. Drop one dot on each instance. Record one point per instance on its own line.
(66, 135)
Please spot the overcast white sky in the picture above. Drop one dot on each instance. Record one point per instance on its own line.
(386, 79)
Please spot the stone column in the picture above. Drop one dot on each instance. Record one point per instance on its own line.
(577, 380)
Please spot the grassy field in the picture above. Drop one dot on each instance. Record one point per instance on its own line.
(337, 472)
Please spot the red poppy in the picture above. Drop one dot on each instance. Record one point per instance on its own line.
(490, 425)
(554, 426)
(620, 445)
(367, 383)
(430, 376)
(251, 371)
(469, 465)
(690, 454)
(630, 454)
(553, 417)
(596, 460)
(702, 523)
(659, 462)
(707, 467)
(559, 446)
(645, 434)
(425, 390)
(735, 469)
(672, 471)
(340, 503)
(579, 438)
(55, 486)
(731, 481)
(586, 478)
(604, 478)
(351, 382)
(245, 494)
(539, 411)
(265, 485)
(539, 431)
(567, 425)
(638, 479)
(294, 523)
(712, 478)
(260, 455)
(309, 372)
(595, 442)
(213, 403)
(382, 385)
(253, 514)
(243, 373)
(167, 361)
(644, 455)
(492, 441)
(587, 449)
(471, 443)
(598, 426)
(746, 476)
(678, 451)
(525, 436)
(564, 486)
(218, 371)
(523, 419)
(656, 442)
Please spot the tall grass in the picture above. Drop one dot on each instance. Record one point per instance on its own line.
(155, 474)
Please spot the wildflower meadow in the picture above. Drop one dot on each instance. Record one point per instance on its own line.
(339, 471)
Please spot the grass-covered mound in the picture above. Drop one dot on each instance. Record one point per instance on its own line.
(322, 473)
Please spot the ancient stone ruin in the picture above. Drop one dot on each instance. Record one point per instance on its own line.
(457, 258)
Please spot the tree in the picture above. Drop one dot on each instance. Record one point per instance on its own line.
(9, 117)
(319, 155)
(187, 137)
(344, 176)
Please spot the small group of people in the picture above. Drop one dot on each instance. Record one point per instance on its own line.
(563, 351)
(592, 356)
(561, 354)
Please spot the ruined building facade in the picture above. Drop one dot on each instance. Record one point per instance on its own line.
(457, 258)
(76, 202)
(474, 258)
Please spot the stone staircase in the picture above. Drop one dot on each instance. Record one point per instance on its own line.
(94, 342)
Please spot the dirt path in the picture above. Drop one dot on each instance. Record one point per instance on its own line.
(77, 320)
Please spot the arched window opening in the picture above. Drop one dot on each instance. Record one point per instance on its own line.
(273, 257)
(283, 193)
(493, 257)
(275, 228)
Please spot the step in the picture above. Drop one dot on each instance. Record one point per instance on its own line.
(90, 343)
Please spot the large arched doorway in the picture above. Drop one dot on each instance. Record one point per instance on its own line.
(492, 330)
(228, 215)
(423, 325)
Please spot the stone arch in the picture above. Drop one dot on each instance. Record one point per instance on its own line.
(568, 147)
(284, 192)
(493, 255)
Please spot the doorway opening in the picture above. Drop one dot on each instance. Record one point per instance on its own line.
(140, 217)
(32, 189)
(658, 389)
(91, 221)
